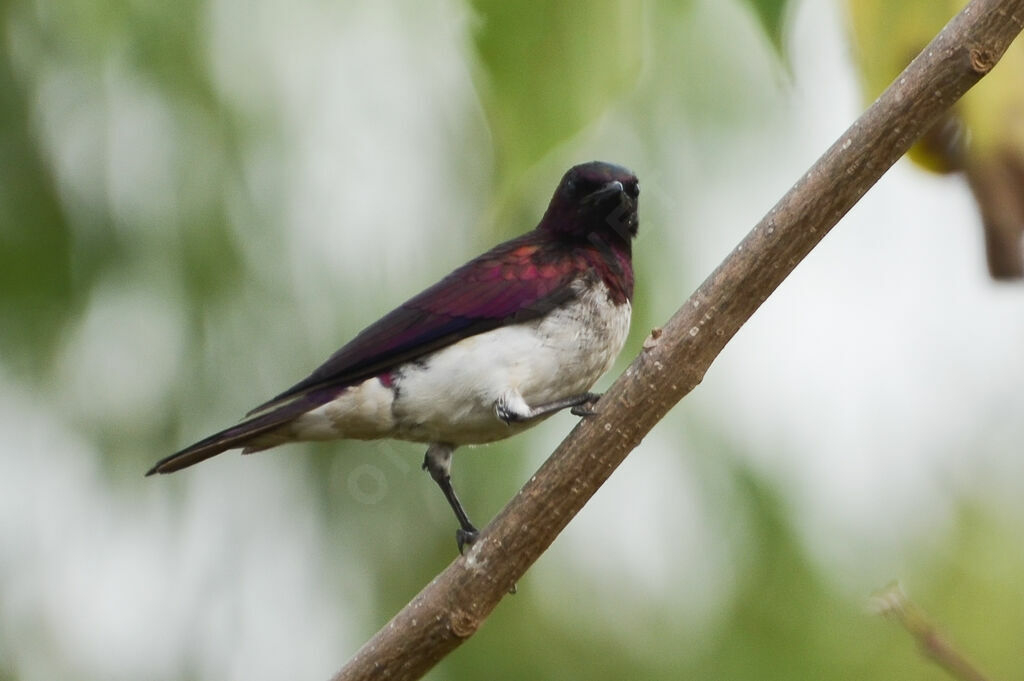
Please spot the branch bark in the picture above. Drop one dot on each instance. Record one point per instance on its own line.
(673, 362)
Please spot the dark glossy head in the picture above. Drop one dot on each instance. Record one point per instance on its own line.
(594, 198)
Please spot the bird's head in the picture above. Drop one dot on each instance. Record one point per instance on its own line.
(594, 199)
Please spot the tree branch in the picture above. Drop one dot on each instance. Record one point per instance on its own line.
(451, 608)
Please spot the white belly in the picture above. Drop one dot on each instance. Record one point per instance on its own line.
(449, 396)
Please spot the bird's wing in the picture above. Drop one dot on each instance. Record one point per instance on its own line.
(514, 282)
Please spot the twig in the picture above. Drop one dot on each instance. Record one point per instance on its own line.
(893, 602)
(452, 607)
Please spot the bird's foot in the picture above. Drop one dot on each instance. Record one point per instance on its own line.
(438, 462)
(512, 408)
(466, 537)
(585, 408)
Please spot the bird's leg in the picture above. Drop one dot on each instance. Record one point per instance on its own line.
(438, 462)
(512, 408)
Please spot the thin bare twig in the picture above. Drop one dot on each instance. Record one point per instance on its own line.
(452, 607)
(894, 603)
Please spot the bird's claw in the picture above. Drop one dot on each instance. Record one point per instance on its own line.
(465, 538)
(584, 409)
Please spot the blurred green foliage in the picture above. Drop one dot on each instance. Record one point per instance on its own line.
(57, 240)
(35, 239)
(981, 136)
(772, 14)
(544, 74)
(547, 72)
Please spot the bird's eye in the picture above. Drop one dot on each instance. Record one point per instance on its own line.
(633, 189)
(571, 187)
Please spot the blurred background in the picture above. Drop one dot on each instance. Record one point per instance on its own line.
(200, 201)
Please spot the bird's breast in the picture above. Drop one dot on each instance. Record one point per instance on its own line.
(449, 395)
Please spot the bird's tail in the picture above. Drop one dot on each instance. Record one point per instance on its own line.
(246, 434)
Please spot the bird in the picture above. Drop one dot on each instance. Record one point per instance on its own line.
(500, 344)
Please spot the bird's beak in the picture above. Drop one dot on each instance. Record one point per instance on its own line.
(613, 187)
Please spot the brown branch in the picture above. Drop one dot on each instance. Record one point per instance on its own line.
(451, 608)
(893, 602)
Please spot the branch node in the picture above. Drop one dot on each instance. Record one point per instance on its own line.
(463, 624)
(652, 341)
(982, 60)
